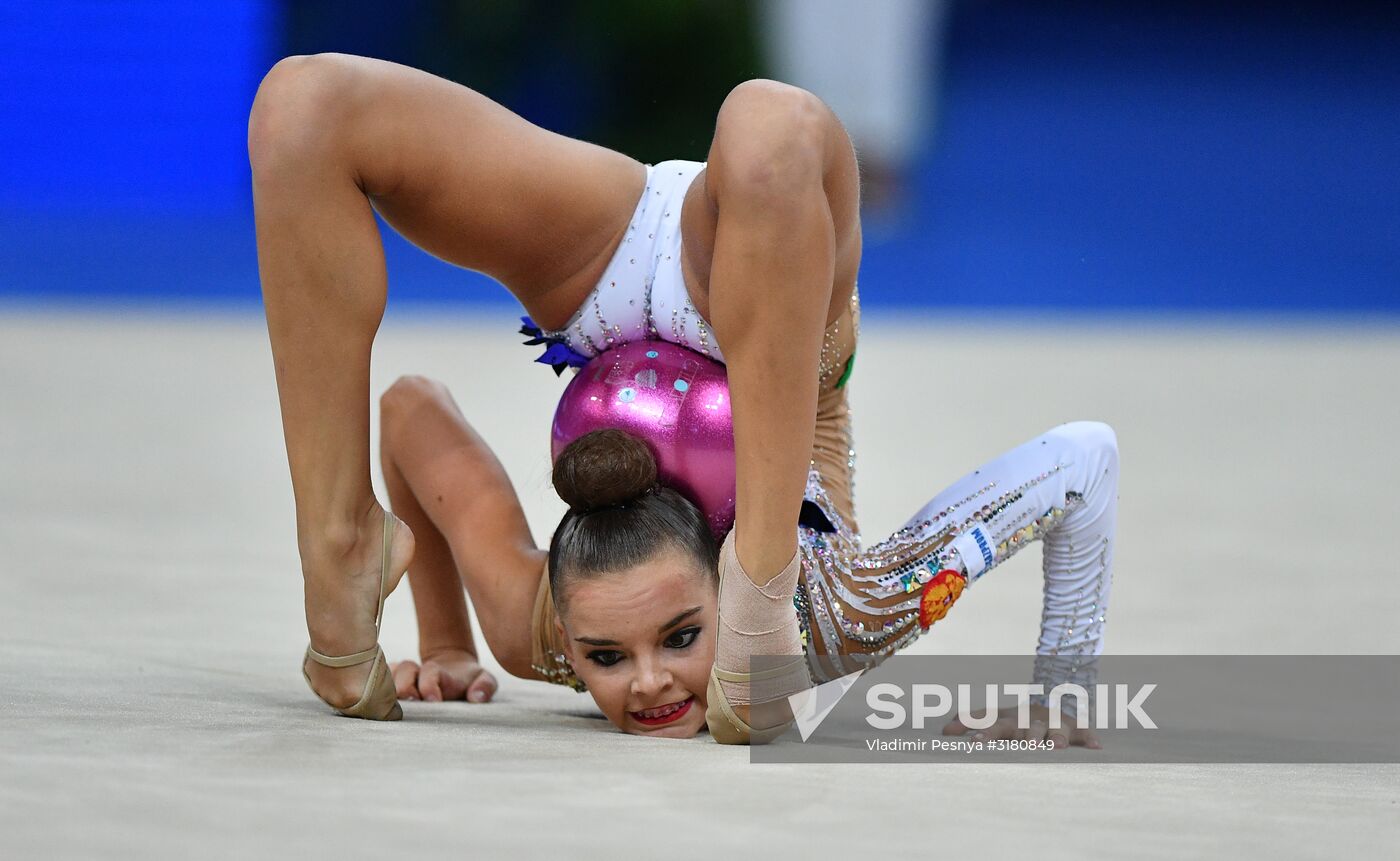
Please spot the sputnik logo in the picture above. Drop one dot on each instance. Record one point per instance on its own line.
(810, 707)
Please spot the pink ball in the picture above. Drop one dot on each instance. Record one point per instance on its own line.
(675, 400)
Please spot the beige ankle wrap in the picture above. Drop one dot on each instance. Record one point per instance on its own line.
(757, 620)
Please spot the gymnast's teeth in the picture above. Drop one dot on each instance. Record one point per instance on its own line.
(661, 711)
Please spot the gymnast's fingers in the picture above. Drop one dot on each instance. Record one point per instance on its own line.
(483, 688)
(1037, 730)
(406, 680)
(1086, 738)
(430, 683)
(998, 730)
(452, 684)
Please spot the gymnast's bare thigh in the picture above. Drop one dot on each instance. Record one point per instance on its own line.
(457, 174)
(474, 184)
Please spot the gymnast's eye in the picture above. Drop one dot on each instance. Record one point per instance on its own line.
(682, 638)
(605, 657)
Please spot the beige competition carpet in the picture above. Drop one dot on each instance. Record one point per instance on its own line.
(151, 704)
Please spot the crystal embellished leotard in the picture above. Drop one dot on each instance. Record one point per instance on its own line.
(857, 604)
(642, 294)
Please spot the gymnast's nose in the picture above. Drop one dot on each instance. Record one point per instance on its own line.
(651, 679)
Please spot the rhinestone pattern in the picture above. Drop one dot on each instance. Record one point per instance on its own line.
(643, 280)
(856, 608)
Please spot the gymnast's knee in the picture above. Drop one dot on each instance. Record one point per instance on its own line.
(770, 141)
(408, 394)
(300, 112)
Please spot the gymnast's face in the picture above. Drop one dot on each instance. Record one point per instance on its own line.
(643, 640)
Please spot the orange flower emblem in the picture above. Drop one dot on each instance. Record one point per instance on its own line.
(938, 596)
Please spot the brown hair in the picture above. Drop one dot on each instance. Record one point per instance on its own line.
(619, 516)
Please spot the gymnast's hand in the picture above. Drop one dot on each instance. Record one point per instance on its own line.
(1005, 728)
(451, 674)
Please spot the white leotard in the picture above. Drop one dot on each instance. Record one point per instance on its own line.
(642, 294)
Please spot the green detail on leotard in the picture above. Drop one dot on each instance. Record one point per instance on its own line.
(846, 374)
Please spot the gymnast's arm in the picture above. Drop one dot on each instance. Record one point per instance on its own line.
(448, 486)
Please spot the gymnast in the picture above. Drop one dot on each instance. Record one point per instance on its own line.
(749, 258)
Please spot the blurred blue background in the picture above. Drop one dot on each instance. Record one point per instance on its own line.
(1198, 157)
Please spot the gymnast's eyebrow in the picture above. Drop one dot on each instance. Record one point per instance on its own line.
(594, 641)
(676, 621)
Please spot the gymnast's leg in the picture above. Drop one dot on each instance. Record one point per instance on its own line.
(330, 136)
(1060, 488)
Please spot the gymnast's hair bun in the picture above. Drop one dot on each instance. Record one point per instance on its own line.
(604, 468)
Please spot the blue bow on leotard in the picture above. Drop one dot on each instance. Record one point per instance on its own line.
(558, 355)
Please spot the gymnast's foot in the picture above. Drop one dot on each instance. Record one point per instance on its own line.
(754, 619)
(342, 582)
